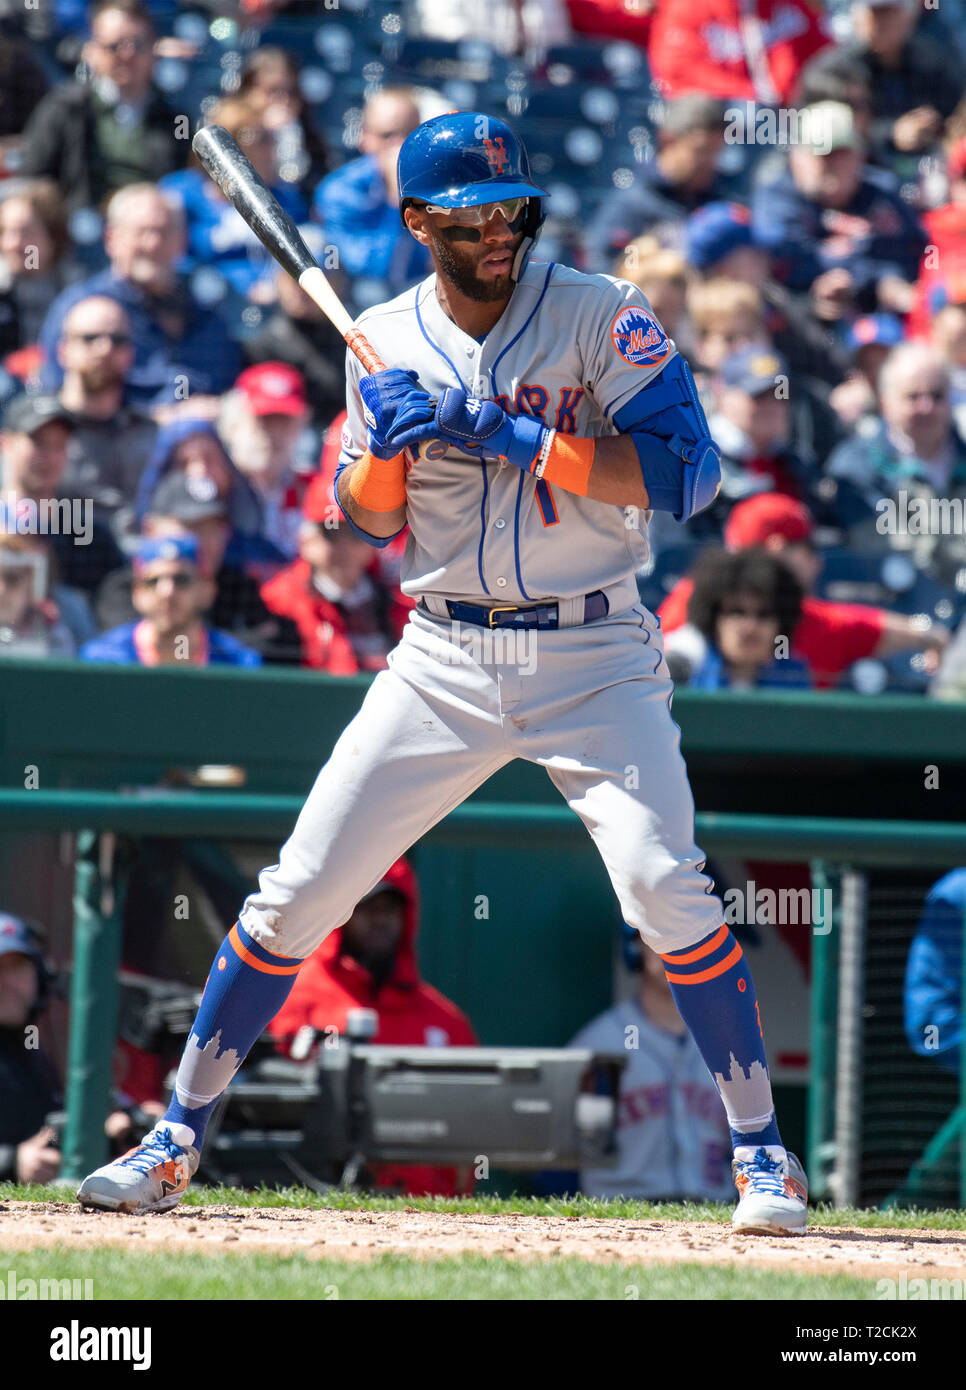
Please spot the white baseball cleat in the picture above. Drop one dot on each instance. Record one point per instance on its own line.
(772, 1193)
(151, 1177)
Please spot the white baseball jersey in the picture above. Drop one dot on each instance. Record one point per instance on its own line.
(569, 348)
(672, 1134)
(588, 700)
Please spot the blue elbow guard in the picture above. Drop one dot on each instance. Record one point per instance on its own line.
(680, 462)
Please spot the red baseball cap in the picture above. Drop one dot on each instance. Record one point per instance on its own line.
(767, 514)
(273, 388)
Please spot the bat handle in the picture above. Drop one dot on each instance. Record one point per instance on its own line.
(363, 349)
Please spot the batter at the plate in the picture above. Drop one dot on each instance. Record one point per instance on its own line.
(531, 419)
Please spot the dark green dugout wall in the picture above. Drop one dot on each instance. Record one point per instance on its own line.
(519, 926)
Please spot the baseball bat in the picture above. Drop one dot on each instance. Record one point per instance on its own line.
(247, 193)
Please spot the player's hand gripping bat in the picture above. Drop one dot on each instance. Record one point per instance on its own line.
(246, 192)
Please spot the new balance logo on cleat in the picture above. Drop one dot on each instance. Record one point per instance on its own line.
(772, 1194)
(151, 1177)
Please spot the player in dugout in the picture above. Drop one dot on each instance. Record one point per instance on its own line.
(532, 419)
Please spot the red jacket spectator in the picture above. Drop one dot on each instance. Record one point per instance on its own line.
(411, 1012)
(829, 636)
(347, 613)
(738, 50)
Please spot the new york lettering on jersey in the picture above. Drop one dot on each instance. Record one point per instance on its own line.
(570, 349)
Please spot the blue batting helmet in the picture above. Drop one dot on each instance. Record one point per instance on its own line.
(463, 159)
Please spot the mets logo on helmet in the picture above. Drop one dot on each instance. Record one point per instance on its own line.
(639, 338)
(496, 154)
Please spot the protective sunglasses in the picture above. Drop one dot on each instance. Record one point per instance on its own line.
(479, 215)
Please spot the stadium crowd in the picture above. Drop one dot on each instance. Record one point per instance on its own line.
(786, 184)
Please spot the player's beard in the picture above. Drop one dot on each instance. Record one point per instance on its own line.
(460, 270)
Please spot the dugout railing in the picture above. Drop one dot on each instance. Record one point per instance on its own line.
(89, 759)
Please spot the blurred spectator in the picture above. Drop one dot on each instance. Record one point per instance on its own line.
(358, 205)
(838, 229)
(942, 272)
(726, 316)
(722, 243)
(261, 423)
(193, 447)
(30, 1089)
(270, 85)
(180, 508)
(370, 963)
(672, 1139)
(833, 75)
(948, 337)
(742, 615)
(933, 994)
(171, 593)
(753, 423)
(299, 333)
(112, 439)
(870, 340)
(830, 636)
(511, 26)
(95, 138)
(181, 346)
(911, 454)
(348, 618)
(30, 624)
(35, 434)
(218, 236)
(626, 20)
(29, 1086)
(738, 50)
(23, 83)
(682, 176)
(187, 506)
(949, 682)
(61, 605)
(914, 82)
(662, 274)
(33, 266)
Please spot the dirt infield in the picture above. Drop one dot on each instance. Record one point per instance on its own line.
(361, 1235)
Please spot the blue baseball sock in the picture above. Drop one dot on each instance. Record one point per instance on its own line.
(713, 989)
(245, 990)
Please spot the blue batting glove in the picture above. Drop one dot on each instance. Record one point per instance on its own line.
(483, 427)
(393, 402)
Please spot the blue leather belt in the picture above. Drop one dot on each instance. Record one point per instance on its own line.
(542, 615)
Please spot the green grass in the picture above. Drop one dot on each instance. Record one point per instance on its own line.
(118, 1274)
(301, 1198)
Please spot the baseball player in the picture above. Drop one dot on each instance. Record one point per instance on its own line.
(531, 420)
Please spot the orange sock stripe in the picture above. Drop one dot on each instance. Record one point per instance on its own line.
(712, 974)
(246, 955)
(570, 461)
(702, 951)
(377, 484)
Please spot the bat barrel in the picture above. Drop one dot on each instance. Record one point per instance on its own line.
(247, 192)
